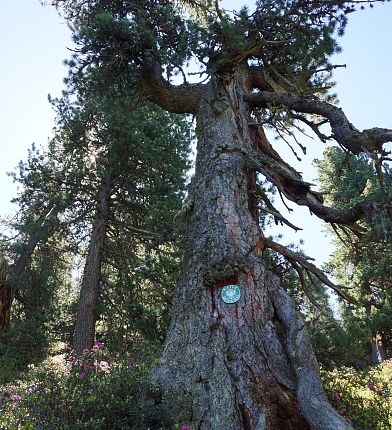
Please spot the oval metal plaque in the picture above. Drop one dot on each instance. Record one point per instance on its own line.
(231, 293)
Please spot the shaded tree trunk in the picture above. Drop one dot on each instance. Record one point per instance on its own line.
(5, 297)
(84, 331)
(247, 365)
(377, 353)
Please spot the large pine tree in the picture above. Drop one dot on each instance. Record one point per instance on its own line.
(247, 365)
(129, 163)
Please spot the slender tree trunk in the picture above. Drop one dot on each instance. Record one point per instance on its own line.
(377, 353)
(11, 276)
(5, 297)
(247, 365)
(84, 331)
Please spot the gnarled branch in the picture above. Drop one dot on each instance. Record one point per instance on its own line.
(369, 140)
(270, 208)
(289, 182)
(307, 265)
(173, 98)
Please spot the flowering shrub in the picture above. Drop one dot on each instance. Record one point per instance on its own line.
(97, 391)
(94, 392)
(364, 398)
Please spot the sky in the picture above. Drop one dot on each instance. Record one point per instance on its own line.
(35, 41)
(33, 45)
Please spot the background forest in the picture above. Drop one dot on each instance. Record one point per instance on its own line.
(89, 263)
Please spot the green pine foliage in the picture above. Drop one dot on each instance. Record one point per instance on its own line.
(296, 38)
(101, 130)
(361, 261)
(145, 152)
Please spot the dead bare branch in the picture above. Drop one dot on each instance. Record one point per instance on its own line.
(273, 211)
(307, 265)
(344, 132)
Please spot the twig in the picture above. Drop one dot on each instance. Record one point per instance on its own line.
(272, 210)
(307, 292)
(290, 255)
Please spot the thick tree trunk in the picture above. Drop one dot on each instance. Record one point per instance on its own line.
(247, 365)
(84, 331)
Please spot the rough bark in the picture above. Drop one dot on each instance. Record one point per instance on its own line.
(84, 331)
(242, 365)
(377, 353)
(311, 397)
(178, 99)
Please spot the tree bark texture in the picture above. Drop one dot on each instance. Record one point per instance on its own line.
(84, 331)
(247, 365)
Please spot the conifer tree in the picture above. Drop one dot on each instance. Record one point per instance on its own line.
(362, 258)
(248, 364)
(133, 172)
(39, 205)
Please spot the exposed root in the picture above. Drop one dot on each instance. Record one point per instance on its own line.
(312, 400)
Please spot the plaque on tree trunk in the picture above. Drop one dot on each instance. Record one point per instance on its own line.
(231, 294)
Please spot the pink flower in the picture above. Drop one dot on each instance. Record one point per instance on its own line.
(104, 366)
(371, 385)
(348, 421)
(343, 411)
(86, 351)
(185, 428)
(15, 398)
(379, 392)
(83, 376)
(336, 396)
(98, 345)
(77, 362)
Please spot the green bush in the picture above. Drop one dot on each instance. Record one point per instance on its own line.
(16, 354)
(94, 392)
(362, 397)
